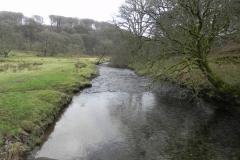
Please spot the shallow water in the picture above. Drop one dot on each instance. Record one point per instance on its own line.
(119, 117)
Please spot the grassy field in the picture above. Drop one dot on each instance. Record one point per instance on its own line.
(32, 92)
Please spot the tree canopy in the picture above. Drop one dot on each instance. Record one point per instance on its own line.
(181, 29)
(65, 35)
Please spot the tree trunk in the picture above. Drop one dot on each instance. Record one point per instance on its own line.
(221, 86)
(6, 53)
(100, 58)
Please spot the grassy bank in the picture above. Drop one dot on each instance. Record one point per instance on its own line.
(225, 63)
(32, 92)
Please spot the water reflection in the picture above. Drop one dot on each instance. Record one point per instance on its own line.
(118, 118)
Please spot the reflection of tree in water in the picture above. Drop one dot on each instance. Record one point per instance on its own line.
(164, 125)
(218, 138)
(197, 131)
(168, 129)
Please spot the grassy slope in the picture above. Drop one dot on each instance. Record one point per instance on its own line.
(228, 62)
(33, 90)
(225, 61)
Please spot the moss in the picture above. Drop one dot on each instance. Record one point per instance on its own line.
(222, 90)
(228, 59)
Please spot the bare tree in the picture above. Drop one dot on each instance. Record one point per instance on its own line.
(103, 48)
(87, 22)
(38, 19)
(30, 28)
(184, 29)
(56, 20)
(51, 43)
(11, 18)
(7, 39)
(132, 16)
(77, 45)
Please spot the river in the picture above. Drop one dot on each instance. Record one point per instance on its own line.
(121, 118)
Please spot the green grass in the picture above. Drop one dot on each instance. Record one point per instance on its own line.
(52, 74)
(34, 89)
(30, 107)
(226, 66)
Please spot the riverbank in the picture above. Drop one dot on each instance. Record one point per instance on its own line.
(198, 85)
(224, 61)
(33, 91)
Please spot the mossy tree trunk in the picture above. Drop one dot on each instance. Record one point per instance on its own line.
(221, 86)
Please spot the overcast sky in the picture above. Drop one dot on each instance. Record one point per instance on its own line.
(99, 10)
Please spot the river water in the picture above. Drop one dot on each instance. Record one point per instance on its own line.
(121, 118)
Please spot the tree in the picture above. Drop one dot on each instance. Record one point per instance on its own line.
(103, 48)
(51, 43)
(88, 23)
(11, 18)
(106, 35)
(71, 22)
(184, 29)
(77, 44)
(66, 43)
(81, 29)
(7, 39)
(61, 21)
(89, 41)
(55, 20)
(30, 28)
(133, 24)
(122, 56)
(133, 17)
(38, 19)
